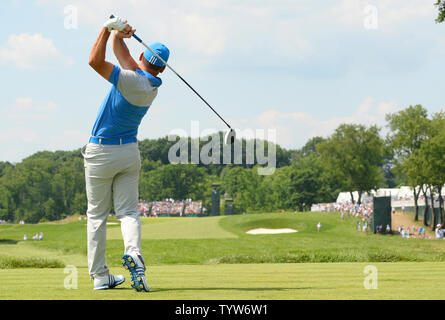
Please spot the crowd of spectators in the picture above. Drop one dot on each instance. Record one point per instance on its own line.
(144, 208)
(413, 232)
(170, 207)
(380, 229)
(3, 222)
(37, 236)
(323, 207)
(354, 210)
(167, 208)
(194, 208)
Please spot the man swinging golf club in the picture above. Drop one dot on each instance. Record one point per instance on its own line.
(112, 158)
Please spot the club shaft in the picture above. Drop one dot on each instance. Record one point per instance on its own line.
(157, 56)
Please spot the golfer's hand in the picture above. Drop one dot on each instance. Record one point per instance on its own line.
(127, 32)
(115, 23)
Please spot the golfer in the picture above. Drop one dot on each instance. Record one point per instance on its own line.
(112, 158)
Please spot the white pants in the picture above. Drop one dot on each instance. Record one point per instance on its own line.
(112, 176)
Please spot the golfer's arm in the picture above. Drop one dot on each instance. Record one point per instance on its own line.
(123, 54)
(97, 55)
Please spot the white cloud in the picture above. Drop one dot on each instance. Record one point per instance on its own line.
(68, 140)
(391, 13)
(18, 142)
(28, 126)
(202, 28)
(23, 127)
(289, 40)
(18, 134)
(365, 106)
(31, 51)
(295, 128)
(25, 109)
(386, 107)
(300, 34)
(395, 12)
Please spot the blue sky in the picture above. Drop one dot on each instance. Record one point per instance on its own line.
(299, 67)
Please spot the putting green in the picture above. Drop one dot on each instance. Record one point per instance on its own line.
(178, 228)
(253, 281)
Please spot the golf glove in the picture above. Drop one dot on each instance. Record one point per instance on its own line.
(115, 23)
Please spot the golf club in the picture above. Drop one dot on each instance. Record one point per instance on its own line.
(230, 135)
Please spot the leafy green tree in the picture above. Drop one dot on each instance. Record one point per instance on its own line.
(80, 203)
(48, 185)
(177, 181)
(306, 182)
(440, 4)
(3, 166)
(355, 153)
(433, 153)
(43, 185)
(156, 149)
(6, 204)
(309, 148)
(408, 129)
(245, 187)
(415, 176)
(50, 210)
(234, 182)
(149, 165)
(413, 171)
(277, 189)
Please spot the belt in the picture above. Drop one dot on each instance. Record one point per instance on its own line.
(113, 141)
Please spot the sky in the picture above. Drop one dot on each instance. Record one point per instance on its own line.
(298, 67)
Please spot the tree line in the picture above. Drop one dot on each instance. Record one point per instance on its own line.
(51, 186)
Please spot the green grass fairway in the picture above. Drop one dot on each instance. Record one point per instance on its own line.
(214, 258)
(252, 281)
(223, 240)
(178, 228)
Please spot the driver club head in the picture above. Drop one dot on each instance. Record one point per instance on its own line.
(230, 137)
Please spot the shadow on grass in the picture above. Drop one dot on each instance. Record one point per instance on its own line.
(155, 290)
(229, 289)
(8, 241)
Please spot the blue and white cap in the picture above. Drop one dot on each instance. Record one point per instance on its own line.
(160, 50)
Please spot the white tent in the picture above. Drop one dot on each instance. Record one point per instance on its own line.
(395, 193)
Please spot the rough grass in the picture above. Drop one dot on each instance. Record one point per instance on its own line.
(222, 240)
(321, 257)
(7, 262)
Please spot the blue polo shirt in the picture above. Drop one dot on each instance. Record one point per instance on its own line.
(126, 104)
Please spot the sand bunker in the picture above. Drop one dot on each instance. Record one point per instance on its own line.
(270, 231)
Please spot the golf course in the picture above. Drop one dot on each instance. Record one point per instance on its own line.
(212, 258)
